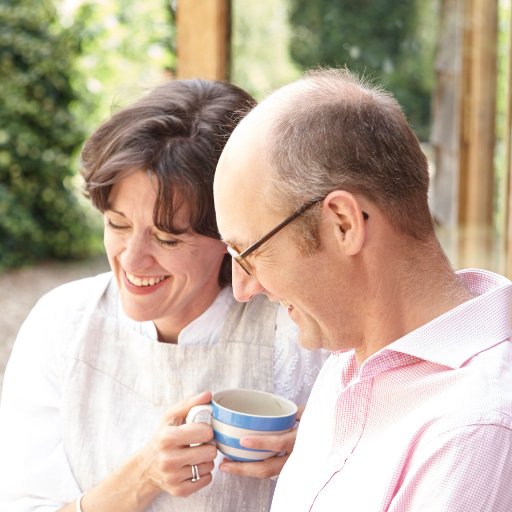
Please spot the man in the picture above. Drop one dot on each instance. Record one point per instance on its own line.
(321, 197)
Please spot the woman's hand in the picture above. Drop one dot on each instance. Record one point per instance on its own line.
(282, 443)
(168, 457)
(163, 465)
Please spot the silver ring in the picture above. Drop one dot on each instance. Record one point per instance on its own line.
(195, 473)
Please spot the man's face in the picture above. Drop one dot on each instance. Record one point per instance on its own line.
(280, 270)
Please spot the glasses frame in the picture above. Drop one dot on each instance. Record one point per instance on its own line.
(240, 257)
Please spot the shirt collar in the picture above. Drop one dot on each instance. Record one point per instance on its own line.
(472, 327)
(205, 329)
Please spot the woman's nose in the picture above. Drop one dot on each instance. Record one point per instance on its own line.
(245, 286)
(137, 254)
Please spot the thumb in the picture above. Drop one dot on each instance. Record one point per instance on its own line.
(176, 414)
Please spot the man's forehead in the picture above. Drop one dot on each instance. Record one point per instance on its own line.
(243, 177)
(238, 206)
(240, 182)
(243, 157)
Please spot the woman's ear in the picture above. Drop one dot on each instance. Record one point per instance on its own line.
(346, 219)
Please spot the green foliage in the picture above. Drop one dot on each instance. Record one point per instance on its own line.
(40, 214)
(63, 71)
(260, 38)
(391, 42)
(127, 48)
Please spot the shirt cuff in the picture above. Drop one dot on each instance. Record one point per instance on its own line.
(78, 500)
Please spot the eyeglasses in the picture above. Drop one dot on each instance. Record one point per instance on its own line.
(240, 257)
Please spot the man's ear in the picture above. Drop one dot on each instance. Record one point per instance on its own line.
(345, 218)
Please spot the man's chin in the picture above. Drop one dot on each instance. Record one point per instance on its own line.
(310, 340)
(310, 334)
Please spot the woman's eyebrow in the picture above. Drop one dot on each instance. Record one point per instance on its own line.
(110, 208)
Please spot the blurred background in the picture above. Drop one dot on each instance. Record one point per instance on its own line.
(65, 65)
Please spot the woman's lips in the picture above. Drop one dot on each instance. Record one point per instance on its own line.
(143, 285)
(144, 281)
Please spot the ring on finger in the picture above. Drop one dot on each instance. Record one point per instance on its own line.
(195, 473)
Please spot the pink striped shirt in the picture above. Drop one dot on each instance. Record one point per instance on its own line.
(425, 424)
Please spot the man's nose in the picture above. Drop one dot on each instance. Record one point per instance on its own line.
(245, 286)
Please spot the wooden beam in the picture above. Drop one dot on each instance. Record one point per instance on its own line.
(507, 134)
(203, 29)
(445, 130)
(478, 111)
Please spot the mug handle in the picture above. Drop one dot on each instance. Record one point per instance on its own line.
(200, 414)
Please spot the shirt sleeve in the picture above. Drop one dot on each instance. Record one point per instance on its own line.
(35, 474)
(466, 468)
(295, 368)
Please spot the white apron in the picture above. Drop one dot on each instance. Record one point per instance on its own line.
(117, 388)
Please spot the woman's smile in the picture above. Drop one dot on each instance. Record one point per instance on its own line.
(143, 285)
(144, 281)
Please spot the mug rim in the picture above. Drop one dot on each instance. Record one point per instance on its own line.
(257, 391)
(248, 421)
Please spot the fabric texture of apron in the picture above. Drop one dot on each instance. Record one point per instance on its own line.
(118, 385)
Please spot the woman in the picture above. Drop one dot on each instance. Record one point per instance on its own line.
(87, 416)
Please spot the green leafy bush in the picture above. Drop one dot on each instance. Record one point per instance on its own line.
(126, 49)
(41, 215)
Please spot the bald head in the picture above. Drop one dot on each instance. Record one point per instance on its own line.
(331, 131)
(251, 139)
(239, 160)
(245, 162)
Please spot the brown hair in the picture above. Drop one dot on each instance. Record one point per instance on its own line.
(337, 132)
(176, 132)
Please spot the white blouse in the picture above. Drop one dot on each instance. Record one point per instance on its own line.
(29, 470)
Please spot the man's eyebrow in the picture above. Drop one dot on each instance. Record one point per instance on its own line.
(232, 242)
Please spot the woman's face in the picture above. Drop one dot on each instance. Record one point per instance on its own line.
(169, 279)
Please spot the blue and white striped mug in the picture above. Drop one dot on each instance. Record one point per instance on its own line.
(235, 413)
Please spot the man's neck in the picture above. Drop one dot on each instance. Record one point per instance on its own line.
(420, 287)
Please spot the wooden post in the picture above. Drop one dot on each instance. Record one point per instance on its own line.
(202, 39)
(507, 134)
(478, 109)
(445, 130)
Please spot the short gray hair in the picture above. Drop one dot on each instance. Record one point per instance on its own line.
(338, 131)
